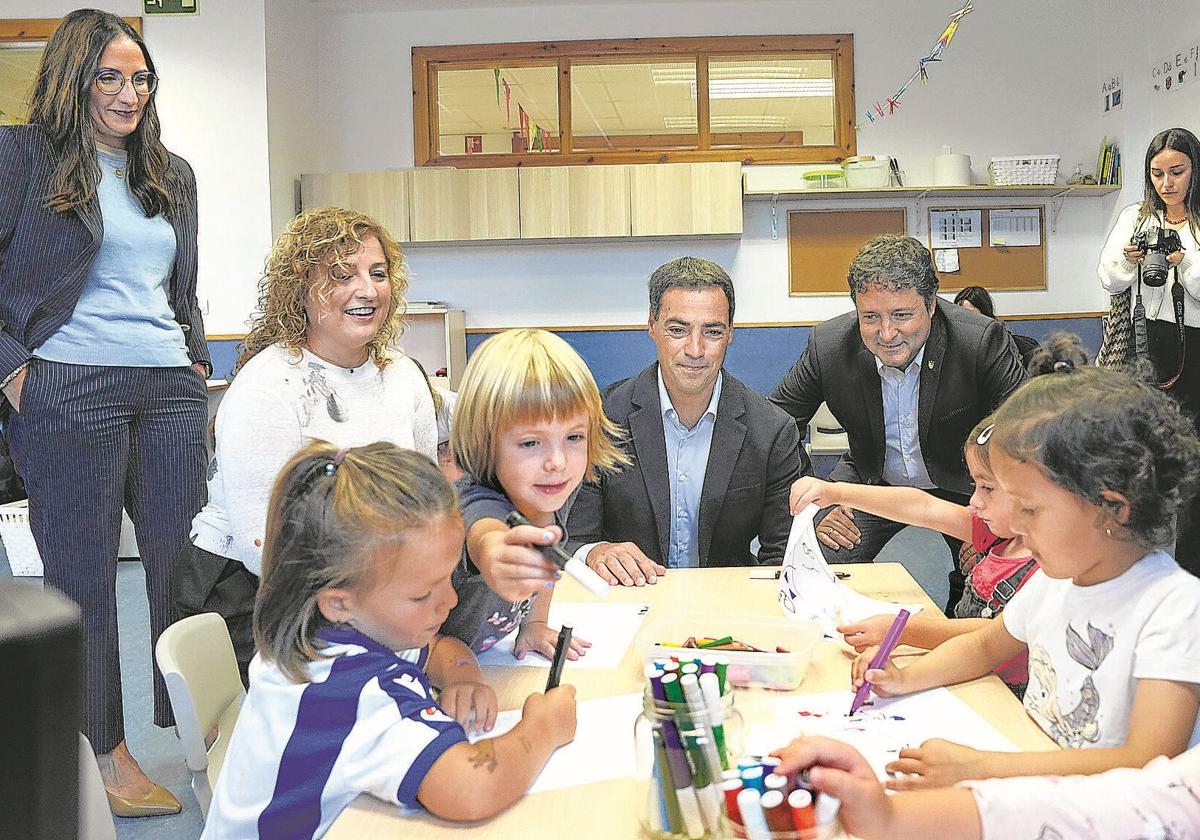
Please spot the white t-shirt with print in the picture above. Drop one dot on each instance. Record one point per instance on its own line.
(1089, 646)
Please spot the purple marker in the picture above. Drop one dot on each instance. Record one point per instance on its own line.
(681, 774)
(881, 658)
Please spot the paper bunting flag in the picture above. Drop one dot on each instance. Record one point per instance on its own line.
(497, 72)
(507, 101)
(921, 72)
(523, 119)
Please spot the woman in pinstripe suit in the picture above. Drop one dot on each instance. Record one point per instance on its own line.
(102, 351)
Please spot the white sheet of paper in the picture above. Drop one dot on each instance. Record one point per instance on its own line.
(609, 627)
(603, 748)
(946, 259)
(879, 730)
(809, 589)
(1015, 228)
(955, 228)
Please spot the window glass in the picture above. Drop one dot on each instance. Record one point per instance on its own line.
(771, 100)
(497, 110)
(633, 105)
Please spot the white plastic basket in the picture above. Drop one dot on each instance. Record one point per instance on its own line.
(1031, 169)
(23, 557)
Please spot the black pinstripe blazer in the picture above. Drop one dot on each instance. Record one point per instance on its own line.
(45, 257)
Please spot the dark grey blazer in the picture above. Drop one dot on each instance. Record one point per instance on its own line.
(754, 459)
(970, 367)
(45, 257)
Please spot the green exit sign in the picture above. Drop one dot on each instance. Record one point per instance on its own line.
(171, 7)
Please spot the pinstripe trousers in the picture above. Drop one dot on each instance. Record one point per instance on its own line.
(87, 440)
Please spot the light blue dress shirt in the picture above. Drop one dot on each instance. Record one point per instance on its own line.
(903, 464)
(687, 462)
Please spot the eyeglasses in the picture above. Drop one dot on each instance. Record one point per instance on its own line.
(110, 82)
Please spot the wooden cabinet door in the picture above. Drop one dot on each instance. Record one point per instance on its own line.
(560, 202)
(461, 204)
(678, 199)
(381, 195)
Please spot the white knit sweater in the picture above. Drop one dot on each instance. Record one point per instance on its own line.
(276, 404)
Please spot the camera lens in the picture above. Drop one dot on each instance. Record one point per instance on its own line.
(1154, 268)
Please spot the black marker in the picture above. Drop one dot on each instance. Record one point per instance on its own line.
(560, 657)
(571, 565)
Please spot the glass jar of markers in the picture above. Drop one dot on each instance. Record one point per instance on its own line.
(688, 734)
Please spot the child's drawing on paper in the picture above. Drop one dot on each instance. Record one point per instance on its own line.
(1080, 726)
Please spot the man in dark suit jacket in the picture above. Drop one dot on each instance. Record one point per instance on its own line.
(712, 460)
(902, 352)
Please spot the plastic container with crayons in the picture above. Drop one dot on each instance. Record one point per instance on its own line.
(767, 668)
(688, 734)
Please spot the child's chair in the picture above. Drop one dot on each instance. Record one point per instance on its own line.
(197, 662)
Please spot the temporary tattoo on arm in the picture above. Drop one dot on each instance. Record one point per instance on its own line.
(483, 755)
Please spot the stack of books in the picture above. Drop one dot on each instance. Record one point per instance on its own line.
(1108, 167)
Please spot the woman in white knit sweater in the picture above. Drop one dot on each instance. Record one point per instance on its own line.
(319, 362)
(1171, 202)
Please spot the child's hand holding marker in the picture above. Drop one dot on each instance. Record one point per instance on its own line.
(510, 562)
(837, 769)
(552, 713)
(538, 637)
(887, 681)
(473, 704)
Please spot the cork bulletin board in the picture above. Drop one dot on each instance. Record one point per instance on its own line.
(821, 244)
(996, 267)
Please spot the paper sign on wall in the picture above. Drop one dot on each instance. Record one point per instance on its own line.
(1110, 94)
(956, 228)
(1015, 228)
(946, 260)
(1176, 68)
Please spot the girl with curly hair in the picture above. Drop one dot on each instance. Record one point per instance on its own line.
(1097, 464)
(319, 362)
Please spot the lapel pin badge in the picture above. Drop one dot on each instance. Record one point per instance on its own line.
(931, 363)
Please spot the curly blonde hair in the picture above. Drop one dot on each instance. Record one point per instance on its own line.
(301, 261)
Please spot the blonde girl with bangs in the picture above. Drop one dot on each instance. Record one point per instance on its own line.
(354, 689)
(528, 428)
(319, 362)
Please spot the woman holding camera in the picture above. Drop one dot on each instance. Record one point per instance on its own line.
(1153, 251)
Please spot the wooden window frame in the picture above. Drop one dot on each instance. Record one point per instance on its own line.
(426, 61)
(39, 30)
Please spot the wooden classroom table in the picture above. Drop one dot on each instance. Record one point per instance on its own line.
(610, 810)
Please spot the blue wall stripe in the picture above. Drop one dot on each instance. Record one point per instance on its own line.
(759, 356)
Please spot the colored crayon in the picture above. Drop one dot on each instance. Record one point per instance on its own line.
(776, 782)
(681, 774)
(804, 816)
(776, 811)
(667, 808)
(880, 659)
(711, 688)
(730, 788)
(753, 818)
(752, 778)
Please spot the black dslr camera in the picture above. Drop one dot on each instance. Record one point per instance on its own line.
(1156, 243)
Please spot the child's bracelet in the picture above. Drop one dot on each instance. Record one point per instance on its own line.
(527, 622)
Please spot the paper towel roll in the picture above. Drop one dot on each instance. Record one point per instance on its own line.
(951, 170)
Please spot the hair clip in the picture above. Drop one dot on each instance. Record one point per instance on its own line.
(1063, 364)
(332, 466)
(985, 435)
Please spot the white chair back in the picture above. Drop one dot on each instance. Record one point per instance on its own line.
(197, 662)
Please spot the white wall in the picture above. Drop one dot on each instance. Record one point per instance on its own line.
(292, 46)
(213, 107)
(1019, 78)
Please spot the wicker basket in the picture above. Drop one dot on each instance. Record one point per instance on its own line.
(23, 557)
(1032, 169)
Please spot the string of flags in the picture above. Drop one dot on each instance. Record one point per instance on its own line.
(536, 138)
(893, 102)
